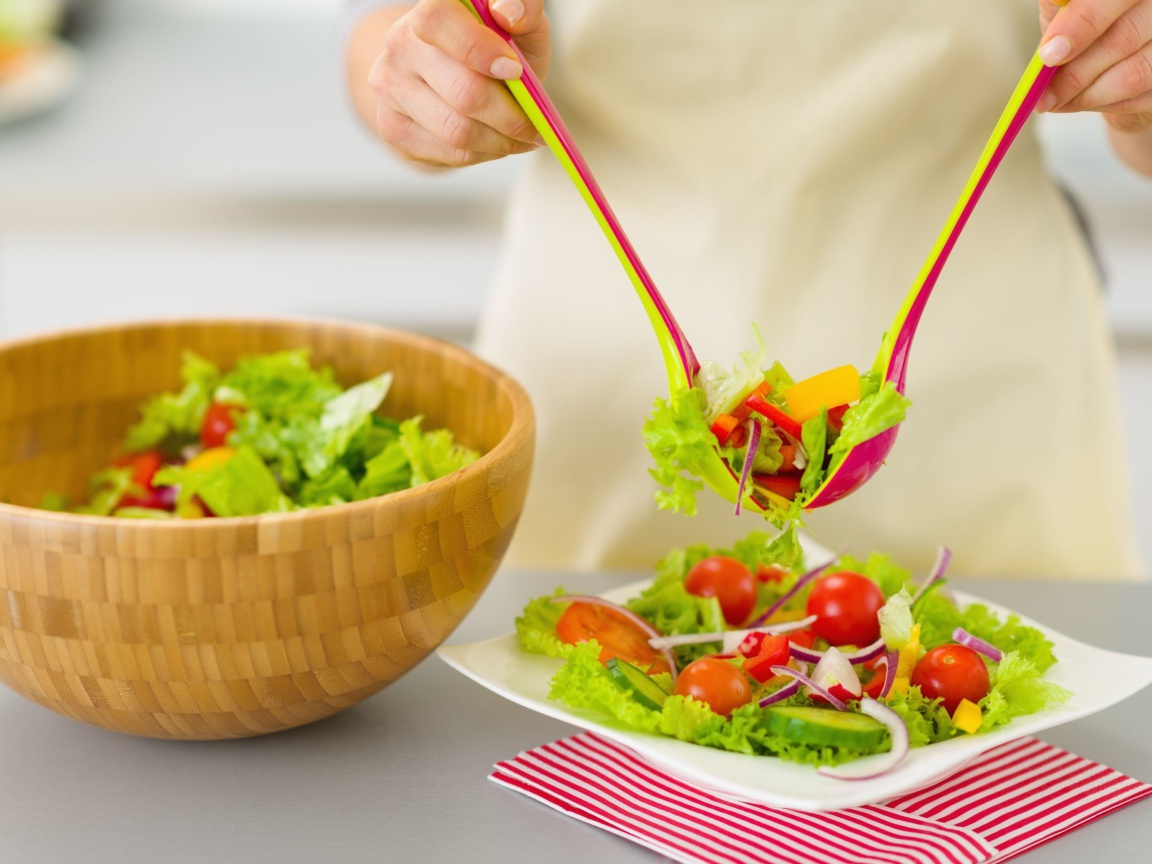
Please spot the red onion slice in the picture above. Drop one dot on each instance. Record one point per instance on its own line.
(644, 626)
(731, 639)
(788, 595)
(891, 662)
(749, 458)
(978, 645)
(862, 655)
(808, 682)
(788, 690)
(943, 557)
(882, 763)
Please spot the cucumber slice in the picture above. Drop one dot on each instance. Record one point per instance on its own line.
(634, 680)
(824, 727)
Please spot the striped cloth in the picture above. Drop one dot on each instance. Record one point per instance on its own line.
(1010, 800)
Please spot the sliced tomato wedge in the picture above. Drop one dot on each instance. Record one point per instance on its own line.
(617, 636)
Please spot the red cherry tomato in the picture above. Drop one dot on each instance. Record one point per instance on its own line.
(716, 682)
(953, 673)
(219, 421)
(618, 637)
(845, 605)
(772, 651)
(729, 581)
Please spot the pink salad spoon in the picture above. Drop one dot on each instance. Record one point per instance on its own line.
(862, 461)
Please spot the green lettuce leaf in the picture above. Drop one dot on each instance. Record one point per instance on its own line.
(387, 471)
(173, 419)
(724, 390)
(240, 486)
(279, 385)
(1018, 688)
(536, 626)
(432, 454)
(105, 491)
(881, 569)
(814, 434)
(896, 620)
(341, 419)
(680, 442)
(869, 417)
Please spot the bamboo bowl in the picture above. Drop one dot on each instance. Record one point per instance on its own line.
(225, 628)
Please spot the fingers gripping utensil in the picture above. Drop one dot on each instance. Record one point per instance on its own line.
(681, 365)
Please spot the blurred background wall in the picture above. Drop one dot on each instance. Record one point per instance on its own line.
(202, 159)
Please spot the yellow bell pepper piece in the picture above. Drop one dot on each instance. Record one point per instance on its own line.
(967, 717)
(900, 685)
(829, 389)
(909, 654)
(210, 458)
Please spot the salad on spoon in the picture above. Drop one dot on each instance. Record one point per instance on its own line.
(754, 435)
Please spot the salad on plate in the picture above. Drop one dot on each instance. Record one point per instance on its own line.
(781, 438)
(744, 650)
(271, 435)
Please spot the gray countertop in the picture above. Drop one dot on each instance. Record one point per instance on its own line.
(403, 776)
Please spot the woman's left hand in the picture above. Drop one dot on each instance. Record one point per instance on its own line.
(1104, 49)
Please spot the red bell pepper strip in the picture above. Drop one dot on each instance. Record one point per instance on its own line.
(772, 651)
(765, 408)
(784, 485)
(723, 427)
(836, 417)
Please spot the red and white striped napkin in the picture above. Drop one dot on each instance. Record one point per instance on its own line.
(1011, 799)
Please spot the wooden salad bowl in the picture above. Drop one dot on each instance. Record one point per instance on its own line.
(225, 628)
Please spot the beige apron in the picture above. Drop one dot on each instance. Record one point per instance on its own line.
(791, 163)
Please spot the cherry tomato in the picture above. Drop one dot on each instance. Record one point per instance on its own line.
(772, 651)
(845, 605)
(618, 637)
(219, 421)
(729, 581)
(952, 672)
(718, 683)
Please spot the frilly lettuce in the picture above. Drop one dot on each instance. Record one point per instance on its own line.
(680, 442)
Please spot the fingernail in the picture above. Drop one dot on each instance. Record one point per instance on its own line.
(1055, 50)
(506, 69)
(1047, 103)
(510, 10)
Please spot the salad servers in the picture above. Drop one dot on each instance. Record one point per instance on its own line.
(680, 362)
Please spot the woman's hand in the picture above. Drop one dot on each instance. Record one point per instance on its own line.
(1104, 49)
(428, 79)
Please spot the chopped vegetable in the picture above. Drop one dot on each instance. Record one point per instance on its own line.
(839, 386)
(967, 717)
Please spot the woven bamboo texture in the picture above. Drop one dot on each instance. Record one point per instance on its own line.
(224, 628)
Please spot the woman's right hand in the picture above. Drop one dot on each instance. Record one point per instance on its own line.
(435, 84)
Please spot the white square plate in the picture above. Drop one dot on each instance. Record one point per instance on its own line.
(1097, 678)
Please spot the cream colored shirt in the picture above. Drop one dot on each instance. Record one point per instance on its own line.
(791, 163)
